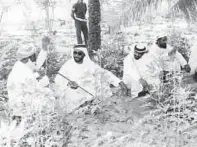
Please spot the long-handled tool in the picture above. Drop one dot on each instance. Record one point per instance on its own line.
(78, 85)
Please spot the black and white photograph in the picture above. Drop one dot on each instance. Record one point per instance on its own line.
(98, 73)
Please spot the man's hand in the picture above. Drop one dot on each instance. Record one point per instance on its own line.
(73, 85)
(82, 20)
(44, 81)
(123, 88)
(41, 73)
(172, 52)
(187, 68)
(144, 84)
(145, 90)
(148, 88)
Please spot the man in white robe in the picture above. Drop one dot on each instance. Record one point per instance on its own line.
(22, 80)
(193, 60)
(80, 71)
(168, 59)
(136, 73)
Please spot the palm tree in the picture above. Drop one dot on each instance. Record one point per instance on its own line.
(135, 10)
(94, 40)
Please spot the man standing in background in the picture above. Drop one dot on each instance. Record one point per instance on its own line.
(78, 13)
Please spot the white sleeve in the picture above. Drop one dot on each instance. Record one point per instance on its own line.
(112, 79)
(60, 82)
(126, 75)
(41, 59)
(43, 82)
(181, 59)
(193, 59)
(130, 70)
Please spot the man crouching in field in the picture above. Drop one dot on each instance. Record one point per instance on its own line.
(170, 60)
(80, 80)
(23, 83)
(136, 73)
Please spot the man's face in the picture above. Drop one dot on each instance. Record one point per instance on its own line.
(33, 58)
(137, 55)
(25, 60)
(162, 42)
(29, 62)
(78, 56)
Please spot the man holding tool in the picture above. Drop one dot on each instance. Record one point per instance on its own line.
(80, 80)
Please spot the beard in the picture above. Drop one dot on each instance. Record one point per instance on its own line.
(31, 65)
(164, 45)
(137, 57)
(78, 59)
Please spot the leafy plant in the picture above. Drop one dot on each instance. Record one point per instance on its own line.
(112, 54)
(140, 10)
(181, 44)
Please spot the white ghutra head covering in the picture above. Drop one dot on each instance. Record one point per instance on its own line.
(26, 51)
(140, 48)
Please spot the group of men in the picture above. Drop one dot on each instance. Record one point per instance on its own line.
(146, 69)
(80, 80)
(25, 78)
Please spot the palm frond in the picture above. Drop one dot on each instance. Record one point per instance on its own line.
(186, 7)
(138, 10)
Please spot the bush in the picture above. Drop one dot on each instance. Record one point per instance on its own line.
(112, 54)
(181, 44)
(54, 63)
(171, 123)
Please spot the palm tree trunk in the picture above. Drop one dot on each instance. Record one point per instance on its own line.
(94, 36)
(47, 15)
(1, 16)
(47, 19)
